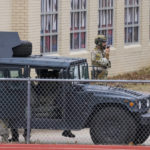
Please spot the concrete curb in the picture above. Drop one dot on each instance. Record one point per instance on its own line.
(68, 147)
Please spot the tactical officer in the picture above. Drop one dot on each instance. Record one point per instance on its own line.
(15, 135)
(100, 58)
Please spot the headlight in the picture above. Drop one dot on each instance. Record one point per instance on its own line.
(140, 104)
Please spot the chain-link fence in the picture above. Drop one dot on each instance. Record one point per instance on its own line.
(54, 111)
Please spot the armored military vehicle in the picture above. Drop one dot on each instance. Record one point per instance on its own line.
(113, 115)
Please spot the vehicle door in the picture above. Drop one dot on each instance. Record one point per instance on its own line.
(3, 87)
(77, 98)
(47, 100)
(15, 94)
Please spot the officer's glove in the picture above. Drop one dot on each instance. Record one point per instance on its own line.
(104, 61)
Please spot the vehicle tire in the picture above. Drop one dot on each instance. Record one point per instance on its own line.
(143, 132)
(113, 125)
(23, 50)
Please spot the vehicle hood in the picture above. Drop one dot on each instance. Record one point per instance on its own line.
(114, 91)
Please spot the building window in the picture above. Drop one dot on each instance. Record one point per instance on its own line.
(105, 25)
(131, 21)
(78, 24)
(49, 26)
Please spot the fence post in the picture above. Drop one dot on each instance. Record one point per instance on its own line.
(28, 111)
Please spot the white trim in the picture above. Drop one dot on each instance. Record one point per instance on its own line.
(79, 52)
(136, 45)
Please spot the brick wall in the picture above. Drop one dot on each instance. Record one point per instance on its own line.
(5, 15)
(20, 18)
(124, 58)
(24, 16)
(34, 23)
(133, 57)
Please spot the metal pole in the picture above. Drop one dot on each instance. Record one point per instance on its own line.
(28, 111)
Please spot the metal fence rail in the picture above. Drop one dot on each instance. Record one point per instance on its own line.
(95, 111)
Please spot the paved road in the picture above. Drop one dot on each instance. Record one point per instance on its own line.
(55, 137)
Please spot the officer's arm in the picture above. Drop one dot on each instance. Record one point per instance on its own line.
(100, 60)
(107, 51)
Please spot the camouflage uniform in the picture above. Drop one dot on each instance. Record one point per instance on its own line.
(100, 60)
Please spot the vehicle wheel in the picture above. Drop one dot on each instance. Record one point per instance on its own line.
(143, 132)
(113, 125)
(23, 50)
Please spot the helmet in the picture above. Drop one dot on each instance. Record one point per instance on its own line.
(100, 39)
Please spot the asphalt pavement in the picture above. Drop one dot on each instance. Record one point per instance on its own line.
(55, 137)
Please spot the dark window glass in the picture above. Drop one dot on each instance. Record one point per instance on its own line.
(47, 44)
(54, 43)
(83, 39)
(76, 40)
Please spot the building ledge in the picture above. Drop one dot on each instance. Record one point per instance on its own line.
(132, 46)
(79, 52)
(112, 48)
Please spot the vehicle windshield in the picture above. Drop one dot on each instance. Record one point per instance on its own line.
(79, 71)
(49, 73)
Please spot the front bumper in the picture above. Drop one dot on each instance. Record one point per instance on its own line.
(145, 119)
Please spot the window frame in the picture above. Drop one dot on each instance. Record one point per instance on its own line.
(51, 34)
(78, 31)
(133, 25)
(107, 28)
(79, 68)
(73, 67)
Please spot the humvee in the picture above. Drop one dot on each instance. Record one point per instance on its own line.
(113, 115)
